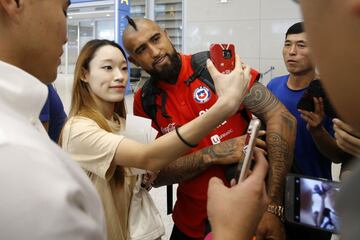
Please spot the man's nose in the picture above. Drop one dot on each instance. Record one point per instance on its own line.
(292, 50)
(155, 51)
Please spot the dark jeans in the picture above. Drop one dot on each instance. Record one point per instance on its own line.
(295, 232)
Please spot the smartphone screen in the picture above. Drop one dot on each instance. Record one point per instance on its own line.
(313, 203)
(252, 132)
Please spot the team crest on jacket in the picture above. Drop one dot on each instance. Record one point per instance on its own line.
(202, 94)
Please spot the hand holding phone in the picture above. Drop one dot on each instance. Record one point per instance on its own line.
(311, 202)
(252, 132)
(316, 90)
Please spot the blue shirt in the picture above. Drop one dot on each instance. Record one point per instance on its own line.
(308, 160)
(53, 113)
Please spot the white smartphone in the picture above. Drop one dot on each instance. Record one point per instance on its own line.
(252, 132)
(310, 202)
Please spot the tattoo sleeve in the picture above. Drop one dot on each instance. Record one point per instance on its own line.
(280, 136)
(190, 165)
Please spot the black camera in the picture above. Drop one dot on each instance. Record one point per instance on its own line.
(227, 54)
(315, 89)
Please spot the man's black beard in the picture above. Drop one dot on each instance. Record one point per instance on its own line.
(170, 72)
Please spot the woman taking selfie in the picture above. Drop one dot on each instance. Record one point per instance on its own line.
(92, 134)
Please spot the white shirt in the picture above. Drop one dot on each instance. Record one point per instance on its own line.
(44, 194)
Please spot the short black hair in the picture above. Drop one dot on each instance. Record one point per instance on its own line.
(295, 29)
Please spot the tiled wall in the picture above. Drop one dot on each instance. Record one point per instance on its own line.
(256, 27)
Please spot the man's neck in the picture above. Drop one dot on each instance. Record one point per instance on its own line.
(300, 81)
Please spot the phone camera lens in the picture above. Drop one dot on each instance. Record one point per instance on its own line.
(227, 54)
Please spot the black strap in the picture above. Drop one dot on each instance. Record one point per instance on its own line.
(169, 197)
(148, 96)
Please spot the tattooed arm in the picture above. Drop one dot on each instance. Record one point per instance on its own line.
(280, 140)
(280, 137)
(190, 165)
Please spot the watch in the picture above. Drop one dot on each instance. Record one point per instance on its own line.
(277, 210)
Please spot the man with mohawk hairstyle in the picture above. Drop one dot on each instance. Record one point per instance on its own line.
(177, 103)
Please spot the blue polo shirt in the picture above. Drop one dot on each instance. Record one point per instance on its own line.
(308, 160)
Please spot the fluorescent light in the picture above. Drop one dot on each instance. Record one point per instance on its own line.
(224, 1)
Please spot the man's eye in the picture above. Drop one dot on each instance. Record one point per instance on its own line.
(156, 39)
(140, 51)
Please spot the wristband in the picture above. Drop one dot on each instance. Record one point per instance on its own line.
(183, 140)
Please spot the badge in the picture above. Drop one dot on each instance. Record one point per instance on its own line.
(202, 94)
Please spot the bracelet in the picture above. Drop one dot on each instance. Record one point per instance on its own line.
(277, 210)
(183, 140)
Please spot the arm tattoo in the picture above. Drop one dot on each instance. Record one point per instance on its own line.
(191, 165)
(278, 149)
(280, 141)
(260, 100)
(220, 150)
(280, 137)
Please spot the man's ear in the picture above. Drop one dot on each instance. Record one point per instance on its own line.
(12, 8)
(131, 59)
(166, 34)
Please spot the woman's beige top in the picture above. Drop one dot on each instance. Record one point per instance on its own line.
(94, 149)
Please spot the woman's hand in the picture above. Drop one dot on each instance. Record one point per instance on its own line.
(233, 87)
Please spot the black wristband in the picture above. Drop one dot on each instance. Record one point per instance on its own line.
(183, 140)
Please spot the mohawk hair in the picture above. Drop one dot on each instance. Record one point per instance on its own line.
(131, 22)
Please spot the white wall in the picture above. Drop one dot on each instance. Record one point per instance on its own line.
(256, 27)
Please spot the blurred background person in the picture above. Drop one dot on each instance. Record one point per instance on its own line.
(53, 115)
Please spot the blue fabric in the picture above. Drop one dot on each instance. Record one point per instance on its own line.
(53, 113)
(308, 160)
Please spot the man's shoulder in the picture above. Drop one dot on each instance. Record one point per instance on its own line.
(278, 80)
(277, 83)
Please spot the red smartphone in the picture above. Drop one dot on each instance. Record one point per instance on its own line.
(223, 57)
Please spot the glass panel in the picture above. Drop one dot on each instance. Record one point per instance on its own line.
(105, 29)
(137, 75)
(72, 45)
(137, 9)
(168, 14)
(87, 31)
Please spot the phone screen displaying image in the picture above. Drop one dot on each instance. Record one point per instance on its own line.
(315, 203)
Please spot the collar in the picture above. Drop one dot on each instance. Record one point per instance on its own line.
(21, 91)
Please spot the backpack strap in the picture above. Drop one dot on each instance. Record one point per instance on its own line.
(148, 96)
